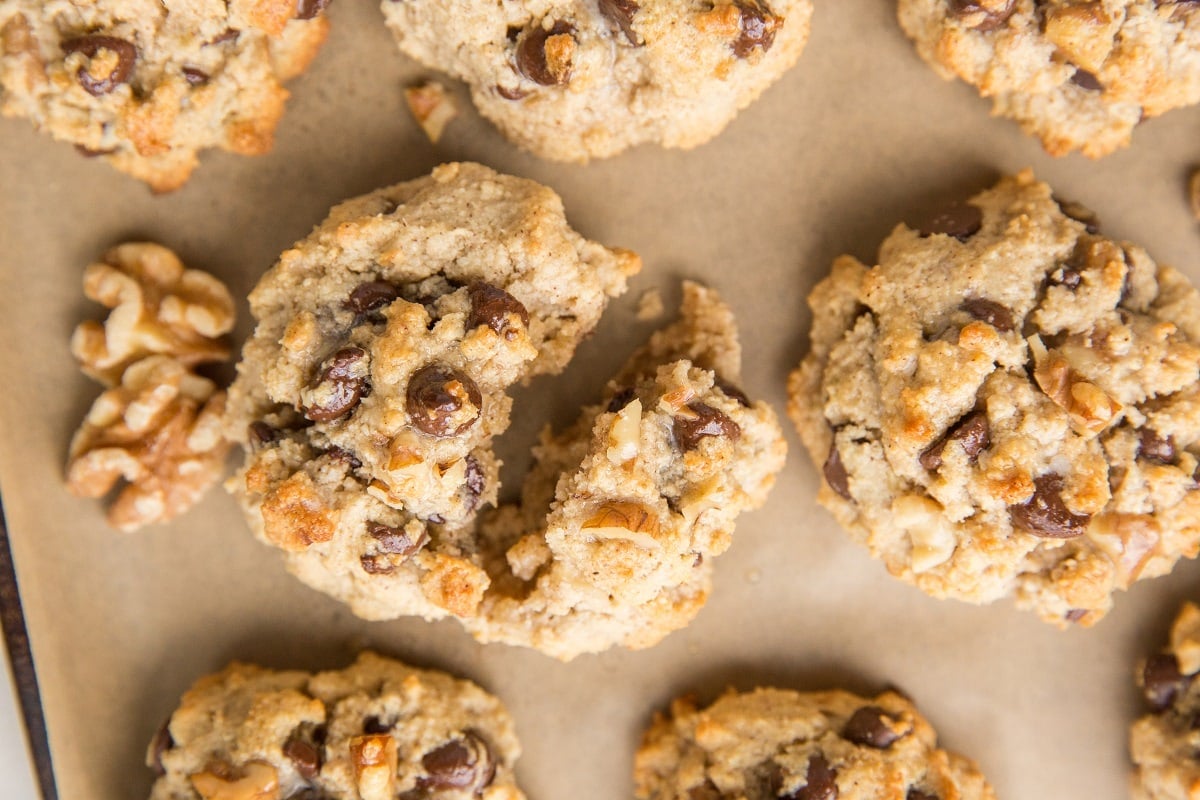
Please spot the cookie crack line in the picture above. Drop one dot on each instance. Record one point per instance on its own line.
(1005, 405)
(377, 378)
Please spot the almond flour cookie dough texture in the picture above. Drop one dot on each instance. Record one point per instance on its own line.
(1008, 404)
(146, 84)
(1078, 75)
(577, 80)
(772, 744)
(376, 730)
(1164, 744)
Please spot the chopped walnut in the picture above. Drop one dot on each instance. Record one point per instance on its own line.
(160, 430)
(158, 307)
(624, 521)
(1185, 639)
(1083, 33)
(257, 780)
(432, 107)
(375, 759)
(1089, 408)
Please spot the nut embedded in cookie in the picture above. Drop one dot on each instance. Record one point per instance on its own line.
(1009, 408)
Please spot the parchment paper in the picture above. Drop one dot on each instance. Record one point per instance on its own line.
(859, 135)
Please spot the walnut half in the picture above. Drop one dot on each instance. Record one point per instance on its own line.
(160, 430)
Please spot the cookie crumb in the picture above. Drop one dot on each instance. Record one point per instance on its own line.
(432, 107)
(650, 305)
(1194, 193)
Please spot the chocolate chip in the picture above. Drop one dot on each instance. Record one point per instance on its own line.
(230, 35)
(475, 482)
(733, 392)
(1068, 277)
(1154, 447)
(621, 12)
(161, 743)
(869, 726)
(1080, 213)
(371, 296)
(345, 456)
(703, 421)
(307, 9)
(442, 401)
(344, 387)
(260, 434)
(1162, 680)
(960, 220)
(835, 473)
(621, 399)
(989, 311)
(991, 19)
(1076, 614)
(194, 77)
(395, 540)
(375, 726)
(495, 308)
(1045, 514)
(1086, 80)
(758, 27)
(465, 763)
(304, 756)
(90, 46)
(532, 60)
(972, 432)
(376, 565)
(511, 94)
(916, 794)
(820, 781)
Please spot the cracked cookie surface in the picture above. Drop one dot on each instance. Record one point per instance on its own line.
(375, 730)
(577, 80)
(776, 743)
(1008, 404)
(1078, 75)
(146, 85)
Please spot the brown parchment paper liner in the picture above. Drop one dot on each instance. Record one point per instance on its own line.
(858, 135)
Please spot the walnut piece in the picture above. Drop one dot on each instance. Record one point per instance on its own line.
(624, 521)
(257, 780)
(158, 307)
(432, 107)
(160, 430)
(375, 759)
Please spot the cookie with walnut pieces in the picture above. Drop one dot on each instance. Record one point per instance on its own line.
(1164, 744)
(1008, 404)
(146, 85)
(375, 730)
(572, 81)
(771, 744)
(1077, 75)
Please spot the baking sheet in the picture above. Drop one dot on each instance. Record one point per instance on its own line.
(858, 136)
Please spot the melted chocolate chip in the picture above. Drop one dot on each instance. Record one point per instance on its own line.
(395, 540)
(1154, 447)
(1079, 213)
(1045, 514)
(90, 46)
(494, 308)
(1069, 277)
(161, 743)
(260, 434)
(1076, 614)
(869, 726)
(376, 565)
(531, 55)
(371, 296)
(704, 421)
(991, 19)
(733, 392)
(345, 388)
(820, 781)
(475, 483)
(194, 77)
(989, 311)
(375, 726)
(758, 27)
(465, 763)
(835, 473)
(620, 400)
(345, 456)
(438, 396)
(1162, 681)
(307, 9)
(960, 220)
(972, 432)
(1086, 80)
(621, 13)
(304, 756)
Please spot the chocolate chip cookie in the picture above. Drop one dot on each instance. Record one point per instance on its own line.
(1078, 75)
(775, 743)
(1164, 744)
(1008, 404)
(374, 731)
(577, 80)
(147, 85)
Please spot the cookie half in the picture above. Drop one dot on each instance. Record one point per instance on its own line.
(1077, 75)
(775, 743)
(572, 81)
(146, 85)
(1008, 404)
(376, 730)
